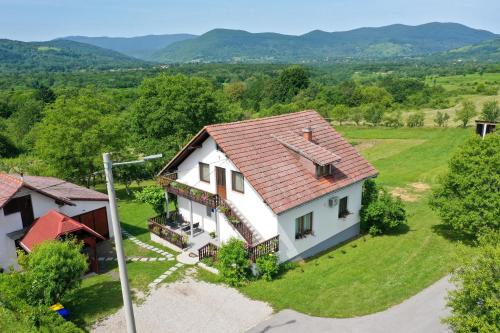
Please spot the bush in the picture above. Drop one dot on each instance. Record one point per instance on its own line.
(441, 119)
(490, 111)
(380, 211)
(415, 120)
(232, 262)
(475, 302)
(51, 271)
(268, 266)
(154, 196)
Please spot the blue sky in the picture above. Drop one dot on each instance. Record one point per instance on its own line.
(46, 19)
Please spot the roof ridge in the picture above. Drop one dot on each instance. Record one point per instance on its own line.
(261, 119)
(12, 178)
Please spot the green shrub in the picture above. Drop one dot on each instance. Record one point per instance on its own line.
(383, 214)
(415, 120)
(154, 196)
(232, 262)
(268, 266)
(490, 111)
(475, 302)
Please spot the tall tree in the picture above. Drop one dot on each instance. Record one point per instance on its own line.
(466, 112)
(170, 109)
(288, 84)
(75, 132)
(468, 196)
(340, 113)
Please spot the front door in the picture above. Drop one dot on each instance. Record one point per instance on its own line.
(220, 180)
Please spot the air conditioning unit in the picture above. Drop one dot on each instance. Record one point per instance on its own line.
(333, 201)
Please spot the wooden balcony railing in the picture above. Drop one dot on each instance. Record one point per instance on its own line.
(264, 248)
(158, 226)
(169, 183)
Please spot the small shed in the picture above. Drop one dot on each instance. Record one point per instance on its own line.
(484, 127)
(55, 225)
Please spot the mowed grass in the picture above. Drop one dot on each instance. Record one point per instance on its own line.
(371, 274)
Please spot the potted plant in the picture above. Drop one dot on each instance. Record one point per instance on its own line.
(212, 234)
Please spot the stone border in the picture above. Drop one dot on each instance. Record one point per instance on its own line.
(208, 268)
(147, 246)
(165, 275)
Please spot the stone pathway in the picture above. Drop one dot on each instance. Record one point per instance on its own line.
(137, 259)
(165, 275)
(147, 246)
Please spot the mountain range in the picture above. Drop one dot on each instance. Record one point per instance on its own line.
(428, 42)
(222, 45)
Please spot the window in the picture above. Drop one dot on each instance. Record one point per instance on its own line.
(323, 170)
(343, 212)
(303, 225)
(237, 181)
(204, 172)
(209, 211)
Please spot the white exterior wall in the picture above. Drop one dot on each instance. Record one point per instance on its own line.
(250, 204)
(8, 224)
(41, 205)
(326, 223)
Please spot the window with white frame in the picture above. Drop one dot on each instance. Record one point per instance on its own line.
(303, 225)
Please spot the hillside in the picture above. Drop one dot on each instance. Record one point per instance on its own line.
(222, 45)
(487, 51)
(141, 47)
(60, 55)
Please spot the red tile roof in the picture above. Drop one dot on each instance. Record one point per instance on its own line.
(49, 186)
(280, 179)
(51, 226)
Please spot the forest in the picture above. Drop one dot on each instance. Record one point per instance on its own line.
(58, 123)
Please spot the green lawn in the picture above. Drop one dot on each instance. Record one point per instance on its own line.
(370, 274)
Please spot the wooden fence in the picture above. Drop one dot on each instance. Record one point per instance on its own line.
(264, 248)
(209, 250)
(164, 232)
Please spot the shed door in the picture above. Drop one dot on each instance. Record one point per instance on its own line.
(220, 179)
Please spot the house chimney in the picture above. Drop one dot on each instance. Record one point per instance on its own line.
(308, 133)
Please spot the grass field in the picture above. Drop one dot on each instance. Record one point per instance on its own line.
(372, 273)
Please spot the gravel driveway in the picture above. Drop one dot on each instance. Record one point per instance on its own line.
(418, 314)
(191, 306)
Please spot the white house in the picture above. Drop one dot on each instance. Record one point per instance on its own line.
(291, 178)
(23, 199)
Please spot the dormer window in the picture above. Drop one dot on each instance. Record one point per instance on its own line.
(323, 170)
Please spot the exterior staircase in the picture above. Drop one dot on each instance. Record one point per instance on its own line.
(256, 236)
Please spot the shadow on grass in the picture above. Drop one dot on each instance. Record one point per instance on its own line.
(134, 229)
(399, 230)
(94, 302)
(448, 233)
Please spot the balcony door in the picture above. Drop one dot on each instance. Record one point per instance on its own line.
(220, 181)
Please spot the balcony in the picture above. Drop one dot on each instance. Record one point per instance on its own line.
(171, 185)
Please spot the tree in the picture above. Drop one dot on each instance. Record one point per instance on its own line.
(75, 132)
(373, 113)
(475, 302)
(393, 119)
(356, 115)
(466, 112)
(288, 84)
(52, 270)
(154, 196)
(7, 148)
(232, 262)
(415, 119)
(468, 195)
(170, 110)
(490, 111)
(441, 119)
(340, 113)
(374, 94)
(235, 91)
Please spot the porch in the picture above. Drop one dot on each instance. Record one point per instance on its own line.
(174, 232)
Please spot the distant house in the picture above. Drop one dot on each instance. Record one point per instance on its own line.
(291, 180)
(24, 199)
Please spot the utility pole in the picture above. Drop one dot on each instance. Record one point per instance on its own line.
(122, 268)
